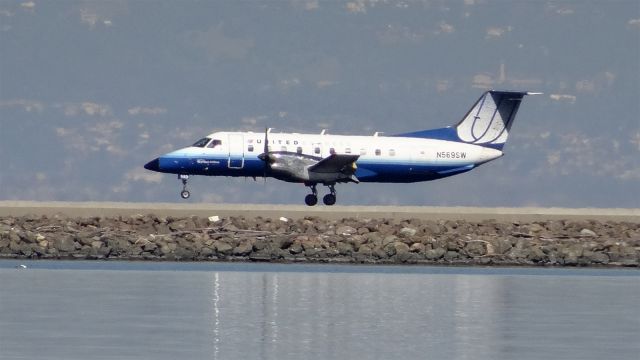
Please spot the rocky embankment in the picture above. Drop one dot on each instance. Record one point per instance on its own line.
(368, 241)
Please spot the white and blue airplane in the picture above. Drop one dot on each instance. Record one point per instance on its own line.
(326, 159)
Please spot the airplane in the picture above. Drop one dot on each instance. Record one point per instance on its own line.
(313, 159)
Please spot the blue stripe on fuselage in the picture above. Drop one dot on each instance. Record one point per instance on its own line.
(404, 172)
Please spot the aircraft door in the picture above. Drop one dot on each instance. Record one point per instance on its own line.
(236, 151)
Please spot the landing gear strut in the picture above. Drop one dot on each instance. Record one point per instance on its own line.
(185, 193)
(312, 198)
(330, 198)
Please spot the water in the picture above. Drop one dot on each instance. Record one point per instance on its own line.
(123, 310)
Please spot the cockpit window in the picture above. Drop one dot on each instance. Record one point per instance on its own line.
(215, 143)
(201, 143)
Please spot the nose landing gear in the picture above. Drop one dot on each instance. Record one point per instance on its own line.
(184, 193)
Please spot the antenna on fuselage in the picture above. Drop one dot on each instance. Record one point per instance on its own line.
(377, 133)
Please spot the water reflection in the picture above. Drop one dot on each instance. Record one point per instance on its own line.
(322, 315)
(106, 314)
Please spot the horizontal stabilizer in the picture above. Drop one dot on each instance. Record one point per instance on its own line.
(333, 163)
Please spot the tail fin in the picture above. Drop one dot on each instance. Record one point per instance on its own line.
(487, 123)
(490, 119)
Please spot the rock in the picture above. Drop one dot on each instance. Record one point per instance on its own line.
(431, 228)
(451, 255)
(182, 225)
(535, 254)
(284, 242)
(346, 230)
(500, 245)
(407, 232)
(475, 248)
(206, 252)
(245, 248)
(379, 252)
(599, 258)
(184, 254)
(435, 254)
(149, 246)
(223, 247)
(307, 248)
(344, 249)
(365, 250)
(64, 244)
(389, 239)
(536, 228)
(587, 233)
(417, 248)
(214, 219)
(295, 248)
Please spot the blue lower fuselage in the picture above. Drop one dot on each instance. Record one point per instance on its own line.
(367, 171)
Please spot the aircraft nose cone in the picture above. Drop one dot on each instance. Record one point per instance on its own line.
(153, 165)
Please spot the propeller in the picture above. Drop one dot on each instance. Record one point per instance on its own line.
(265, 154)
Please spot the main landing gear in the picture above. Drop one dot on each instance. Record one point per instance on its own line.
(328, 199)
(184, 193)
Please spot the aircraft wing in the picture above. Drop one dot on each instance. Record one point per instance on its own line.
(334, 163)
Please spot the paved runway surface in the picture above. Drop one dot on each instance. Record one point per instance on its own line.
(18, 208)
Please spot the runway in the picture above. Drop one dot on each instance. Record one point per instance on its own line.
(524, 214)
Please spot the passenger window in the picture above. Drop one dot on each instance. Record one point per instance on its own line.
(299, 150)
(283, 148)
(214, 143)
(363, 151)
(250, 149)
(201, 143)
(378, 152)
(316, 150)
(392, 152)
(332, 151)
(347, 151)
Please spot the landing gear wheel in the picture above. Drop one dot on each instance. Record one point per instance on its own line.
(329, 199)
(311, 199)
(185, 193)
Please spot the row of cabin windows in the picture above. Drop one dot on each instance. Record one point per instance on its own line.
(316, 150)
(215, 142)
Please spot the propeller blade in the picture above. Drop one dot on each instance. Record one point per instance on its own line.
(265, 154)
(266, 140)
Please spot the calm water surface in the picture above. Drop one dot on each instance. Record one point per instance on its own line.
(123, 310)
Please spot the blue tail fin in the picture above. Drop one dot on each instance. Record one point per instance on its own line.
(487, 123)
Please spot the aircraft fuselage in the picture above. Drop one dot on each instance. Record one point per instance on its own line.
(388, 159)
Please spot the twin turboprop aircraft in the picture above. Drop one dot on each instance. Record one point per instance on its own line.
(325, 159)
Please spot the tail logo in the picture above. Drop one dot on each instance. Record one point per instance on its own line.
(489, 120)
